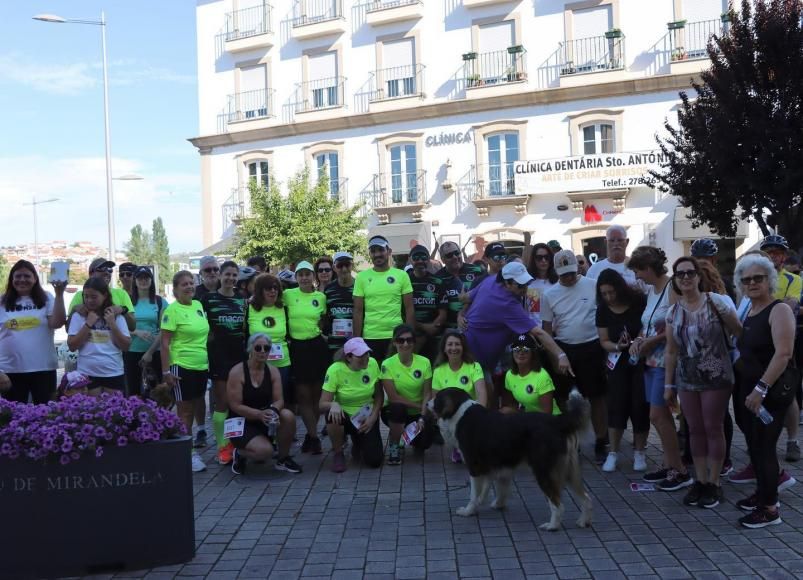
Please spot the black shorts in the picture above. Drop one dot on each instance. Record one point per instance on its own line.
(310, 359)
(190, 384)
(379, 348)
(588, 364)
(39, 385)
(221, 363)
(115, 383)
(252, 429)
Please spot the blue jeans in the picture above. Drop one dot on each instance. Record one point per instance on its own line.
(654, 381)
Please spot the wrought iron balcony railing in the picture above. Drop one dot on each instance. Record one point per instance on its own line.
(314, 11)
(491, 180)
(247, 22)
(397, 82)
(691, 41)
(321, 94)
(398, 189)
(376, 5)
(594, 54)
(496, 67)
(249, 105)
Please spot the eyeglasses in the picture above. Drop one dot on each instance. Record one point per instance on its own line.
(343, 264)
(499, 257)
(686, 274)
(452, 254)
(518, 349)
(757, 279)
(271, 289)
(542, 257)
(405, 340)
(261, 348)
(103, 270)
(126, 274)
(324, 270)
(419, 258)
(211, 270)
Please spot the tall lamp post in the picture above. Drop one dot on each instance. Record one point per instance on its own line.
(109, 191)
(36, 202)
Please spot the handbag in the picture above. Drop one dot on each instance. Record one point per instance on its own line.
(783, 391)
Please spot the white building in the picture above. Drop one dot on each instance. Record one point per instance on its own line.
(452, 119)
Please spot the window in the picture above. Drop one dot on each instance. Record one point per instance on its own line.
(590, 49)
(403, 173)
(700, 10)
(328, 167)
(398, 74)
(253, 96)
(503, 151)
(323, 81)
(258, 171)
(598, 138)
(494, 61)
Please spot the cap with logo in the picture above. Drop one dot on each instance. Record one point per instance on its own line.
(142, 271)
(380, 241)
(127, 267)
(494, 249)
(418, 250)
(554, 245)
(523, 340)
(99, 263)
(774, 241)
(246, 273)
(517, 272)
(447, 247)
(342, 256)
(303, 265)
(704, 248)
(565, 262)
(356, 346)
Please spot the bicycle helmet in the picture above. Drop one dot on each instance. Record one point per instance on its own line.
(704, 248)
(776, 241)
(246, 273)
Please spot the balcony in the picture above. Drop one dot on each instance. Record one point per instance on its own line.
(236, 207)
(248, 29)
(493, 69)
(249, 106)
(689, 44)
(314, 18)
(390, 85)
(321, 95)
(407, 194)
(381, 12)
(477, 3)
(494, 186)
(596, 54)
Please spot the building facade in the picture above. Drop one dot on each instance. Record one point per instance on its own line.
(454, 119)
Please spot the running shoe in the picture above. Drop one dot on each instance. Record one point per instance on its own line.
(456, 457)
(785, 481)
(792, 451)
(694, 494)
(200, 439)
(656, 476)
(610, 462)
(746, 475)
(394, 454)
(639, 461)
(238, 463)
(287, 464)
(315, 446)
(675, 481)
(224, 454)
(306, 446)
(711, 497)
(727, 468)
(750, 503)
(197, 463)
(761, 518)
(339, 462)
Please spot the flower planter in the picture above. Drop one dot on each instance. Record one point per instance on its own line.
(515, 49)
(725, 17)
(676, 25)
(131, 508)
(614, 33)
(470, 56)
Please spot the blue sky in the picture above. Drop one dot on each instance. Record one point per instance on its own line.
(51, 95)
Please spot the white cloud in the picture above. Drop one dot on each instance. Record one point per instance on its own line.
(80, 214)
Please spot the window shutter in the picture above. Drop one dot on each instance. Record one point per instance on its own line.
(253, 78)
(398, 53)
(700, 10)
(322, 66)
(496, 36)
(592, 21)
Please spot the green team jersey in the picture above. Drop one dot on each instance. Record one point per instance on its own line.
(271, 320)
(429, 296)
(382, 292)
(190, 331)
(464, 378)
(352, 389)
(305, 310)
(119, 298)
(528, 389)
(409, 381)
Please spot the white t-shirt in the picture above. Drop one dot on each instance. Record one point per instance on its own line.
(99, 357)
(596, 269)
(572, 311)
(532, 301)
(26, 340)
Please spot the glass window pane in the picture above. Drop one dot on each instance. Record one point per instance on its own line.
(607, 138)
(589, 140)
(493, 143)
(252, 169)
(511, 147)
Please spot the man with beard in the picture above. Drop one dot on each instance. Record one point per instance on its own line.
(458, 277)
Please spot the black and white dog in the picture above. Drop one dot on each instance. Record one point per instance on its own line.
(493, 444)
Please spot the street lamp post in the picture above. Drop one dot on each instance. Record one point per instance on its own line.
(35, 203)
(109, 190)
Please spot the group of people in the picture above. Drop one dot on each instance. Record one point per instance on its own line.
(639, 341)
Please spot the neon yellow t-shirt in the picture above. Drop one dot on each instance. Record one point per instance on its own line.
(529, 388)
(464, 378)
(789, 286)
(382, 292)
(271, 320)
(119, 298)
(352, 389)
(409, 381)
(305, 310)
(190, 332)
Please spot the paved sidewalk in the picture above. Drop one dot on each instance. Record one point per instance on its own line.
(399, 522)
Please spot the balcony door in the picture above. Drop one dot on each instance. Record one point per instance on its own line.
(323, 81)
(398, 74)
(328, 166)
(503, 151)
(403, 173)
(494, 62)
(259, 172)
(252, 98)
(590, 50)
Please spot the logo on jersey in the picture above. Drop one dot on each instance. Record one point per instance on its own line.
(165, 318)
(326, 379)
(417, 374)
(269, 322)
(430, 287)
(391, 280)
(529, 389)
(384, 369)
(469, 277)
(464, 380)
(200, 313)
(315, 303)
(366, 379)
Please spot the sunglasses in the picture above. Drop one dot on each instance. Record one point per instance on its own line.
(211, 270)
(453, 254)
(324, 270)
(419, 258)
(405, 340)
(104, 270)
(517, 349)
(757, 279)
(126, 274)
(499, 257)
(686, 274)
(261, 348)
(542, 257)
(271, 289)
(343, 264)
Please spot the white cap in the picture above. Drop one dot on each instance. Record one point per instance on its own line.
(516, 271)
(303, 265)
(565, 262)
(342, 256)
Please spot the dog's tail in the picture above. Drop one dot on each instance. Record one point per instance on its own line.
(578, 414)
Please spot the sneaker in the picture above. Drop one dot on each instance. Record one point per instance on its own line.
(656, 476)
(339, 462)
(749, 504)
(746, 475)
(639, 461)
(610, 462)
(224, 454)
(711, 497)
(456, 457)
(200, 439)
(394, 454)
(727, 468)
(237, 463)
(785, 481)
(315, 446)
(761, 518)
(675, 481)
(792, 451)
(197, 463)
(600, 451)
(694, 494)
(287, 464)
(306, 446)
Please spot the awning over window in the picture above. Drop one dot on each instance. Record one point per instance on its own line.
(404, 236)
(683, 229)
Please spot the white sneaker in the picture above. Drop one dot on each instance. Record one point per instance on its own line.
(197, 463)
(610, 462)
(639, 461)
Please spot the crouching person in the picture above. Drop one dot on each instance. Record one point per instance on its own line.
(352, 400)
(254, 390)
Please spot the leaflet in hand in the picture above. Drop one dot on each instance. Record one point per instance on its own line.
(361, 416)
(411, 432)
(233, 427)
(59, 272)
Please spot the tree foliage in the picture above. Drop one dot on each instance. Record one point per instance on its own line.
(151, 248)
(737, 150)
(303, 225)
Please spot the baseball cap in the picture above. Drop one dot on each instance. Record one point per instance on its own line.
(286, 275)
(127, 267)
(516, 271)
(378, 241)
(419, 249)
(565, 262)
(494, 248)
(342, 256)
(208, 260)
(246, 273)
(447, 247)
(524, 340)
(100, 263)
(356, 346)
(142, 270)
(554, 245)
(303, 265)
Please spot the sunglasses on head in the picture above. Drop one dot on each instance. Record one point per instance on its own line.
(757, 279)
(261, 348)
(324, 270)
(681, 274)
(453, 254)
(405, 340)
(210, 270)
(517, 349)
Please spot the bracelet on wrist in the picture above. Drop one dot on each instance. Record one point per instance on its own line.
(669, 386)
(761, 391)
(562, 355)
(763, 385)
(165, 373)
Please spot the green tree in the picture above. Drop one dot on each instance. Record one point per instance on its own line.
(78, 274)
(160, 251)
(303, 225)
(5, 268)
(140, 247)
(737, 150)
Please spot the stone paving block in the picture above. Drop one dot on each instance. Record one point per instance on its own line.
(566, 572)
(499, 564)
(349, 563)
(672, 573)
(289, 565)
(472, 570)
(317, 570)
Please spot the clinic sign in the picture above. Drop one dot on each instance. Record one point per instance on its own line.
(587, 172)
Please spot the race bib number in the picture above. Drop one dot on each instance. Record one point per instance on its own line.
(233, 427)
(361, 416)
(276, 352)
(342, 327)
(613, 358)
(99, 336)
(22, 323)
(411, 432)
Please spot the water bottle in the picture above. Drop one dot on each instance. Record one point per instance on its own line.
(633, 360)
(271, 429)
(764, 415)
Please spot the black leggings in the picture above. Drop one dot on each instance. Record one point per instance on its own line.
(397, 413)
(369, 444)
(626, 398)
(40, 385)
(133, 372)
